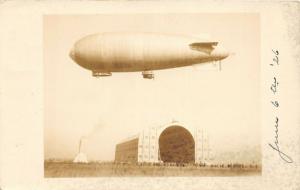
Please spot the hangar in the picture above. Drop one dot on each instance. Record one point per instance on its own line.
(171, 143)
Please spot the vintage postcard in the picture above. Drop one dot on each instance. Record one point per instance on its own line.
(139, 103)
(149, 95)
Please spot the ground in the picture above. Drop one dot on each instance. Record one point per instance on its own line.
(95, 169)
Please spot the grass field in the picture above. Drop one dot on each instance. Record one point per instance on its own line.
(69, 169)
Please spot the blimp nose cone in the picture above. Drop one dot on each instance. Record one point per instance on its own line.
(72, 53)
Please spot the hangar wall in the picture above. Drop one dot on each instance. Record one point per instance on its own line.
(127, 151)
(148, 145)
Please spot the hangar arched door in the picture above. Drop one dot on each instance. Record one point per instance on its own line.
(176, 144)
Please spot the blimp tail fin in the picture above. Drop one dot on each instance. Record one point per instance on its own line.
(206, 47)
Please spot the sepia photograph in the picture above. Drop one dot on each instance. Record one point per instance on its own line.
(152, 95)
(149, 95)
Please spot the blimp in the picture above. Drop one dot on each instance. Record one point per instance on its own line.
(105, 53)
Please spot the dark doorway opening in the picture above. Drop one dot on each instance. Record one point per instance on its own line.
(177, 145)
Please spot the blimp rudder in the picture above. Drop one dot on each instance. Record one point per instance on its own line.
(131, 52)
(206, 47)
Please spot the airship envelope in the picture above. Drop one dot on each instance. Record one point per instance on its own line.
(104, 53)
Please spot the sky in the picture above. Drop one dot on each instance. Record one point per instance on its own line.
(225, 104)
